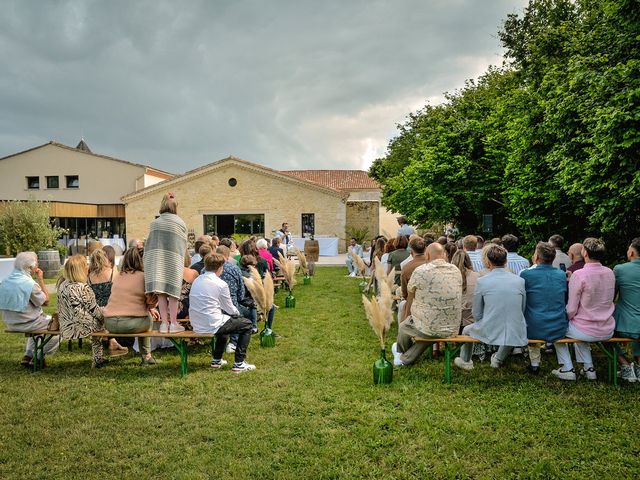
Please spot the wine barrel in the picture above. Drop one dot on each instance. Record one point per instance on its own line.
(311, 250)
(49, 263)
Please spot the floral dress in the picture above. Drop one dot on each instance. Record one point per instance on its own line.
(80, 315)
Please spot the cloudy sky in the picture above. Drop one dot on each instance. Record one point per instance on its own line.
(288, 84)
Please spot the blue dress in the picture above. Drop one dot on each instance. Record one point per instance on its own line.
(546, 312)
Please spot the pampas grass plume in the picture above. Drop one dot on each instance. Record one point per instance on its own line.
(376, 318)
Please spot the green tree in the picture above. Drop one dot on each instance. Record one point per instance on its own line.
(25, 226)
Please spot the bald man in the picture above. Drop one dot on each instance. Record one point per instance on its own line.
(434, 299)
(575, 255)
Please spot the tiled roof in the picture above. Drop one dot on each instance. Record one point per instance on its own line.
(343, 180)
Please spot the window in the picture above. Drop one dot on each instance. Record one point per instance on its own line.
(53, 182)
(73, 181)
(233, 182)
(33, 183)
(308, 224)
(227, 225)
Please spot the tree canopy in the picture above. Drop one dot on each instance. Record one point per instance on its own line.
(547, 142)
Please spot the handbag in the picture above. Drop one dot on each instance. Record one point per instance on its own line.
(54, 323)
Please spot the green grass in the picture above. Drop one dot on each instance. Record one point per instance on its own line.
(309, 411)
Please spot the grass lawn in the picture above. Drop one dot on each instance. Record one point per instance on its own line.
(310, 411)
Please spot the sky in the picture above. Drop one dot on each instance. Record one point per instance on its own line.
(290, 84)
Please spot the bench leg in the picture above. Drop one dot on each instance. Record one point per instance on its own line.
(450, 351)
(39, 341)
(612, 363)
(181, 346)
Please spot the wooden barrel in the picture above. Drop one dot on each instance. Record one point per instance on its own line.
(49, 262)
(311, 250)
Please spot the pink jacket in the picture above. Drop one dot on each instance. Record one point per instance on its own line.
(590, 306)
(264, 253)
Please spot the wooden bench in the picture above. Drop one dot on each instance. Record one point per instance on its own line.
(42, 337)
(452, 347)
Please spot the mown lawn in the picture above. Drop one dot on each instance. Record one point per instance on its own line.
(309, 411)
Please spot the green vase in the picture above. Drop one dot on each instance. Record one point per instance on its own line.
(306, 280)
(290, 301)
(382, 370)
(267, 338)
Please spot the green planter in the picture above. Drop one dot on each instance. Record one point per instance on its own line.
(306, 280)
(382, 370)
(290, 301)
(267, 338)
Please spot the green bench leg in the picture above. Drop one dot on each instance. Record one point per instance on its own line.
(612, 362)
(39, 341)
(450, 351)
(181, 346)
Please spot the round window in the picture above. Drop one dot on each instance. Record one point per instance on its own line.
(233, 182)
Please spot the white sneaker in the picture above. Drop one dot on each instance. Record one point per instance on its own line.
(243, 367)
(564, 375)
(176, 328)
(627, 373)
(218, 363)
(164, 327)
(353, 274)
(589, 373)
(396, 355)
(458, 362)
(231, 348)
(495, 363)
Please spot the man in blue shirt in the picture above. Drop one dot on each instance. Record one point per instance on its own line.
(515, 262)
(405, 229)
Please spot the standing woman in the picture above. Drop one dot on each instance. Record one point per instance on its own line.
(79, 314)
(164, 262)
(100, 280)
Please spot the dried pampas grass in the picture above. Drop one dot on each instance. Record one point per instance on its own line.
(288, 269)
(382, 276)
(359, 264)
(302, 258)
(378, 318)
(268, 293)
(256, 287)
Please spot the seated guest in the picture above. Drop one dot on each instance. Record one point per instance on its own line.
(435, 301)
(366, 253)
(212, 311)
(546, 313)
(276, 251)
(227, 242)
(451, 249)
(78, 312)
(248, 247)
(263, 251)
(442, 240)
(21, 302)
(353, 249)
(405, 229)
(496, 241)
(205, 249)
(100, 280)
(627, 313)
(575, 256)
(469, 280)
(137, 243)
(215, 242)
(188, 276)
(480, 242)
(590, 311)
(417, 258)
(92, 246)
(130, 309)
(232, 276)
(235, 253)
(515, 262)
(562, 259)
(389, 247)
(201, 240)
(110, 252)
(498, 310)
(470, 245)
(397, 256)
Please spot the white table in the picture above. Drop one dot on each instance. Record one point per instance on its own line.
(6, 267)
(328, 245)
(113, 242)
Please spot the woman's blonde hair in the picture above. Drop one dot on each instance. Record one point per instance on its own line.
(75, 270)
(98, 261)
(169, 204)
(462, 260)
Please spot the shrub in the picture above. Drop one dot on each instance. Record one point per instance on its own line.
(25, 226)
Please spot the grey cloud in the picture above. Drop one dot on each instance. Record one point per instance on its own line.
(290, 84)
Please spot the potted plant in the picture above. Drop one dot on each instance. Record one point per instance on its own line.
(288, 269)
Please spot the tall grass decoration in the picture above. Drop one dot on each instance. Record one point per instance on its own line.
(288, 269)
(262, 291)
(380, 316)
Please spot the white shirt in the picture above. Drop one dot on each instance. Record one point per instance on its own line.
(208, 298)
(405, 261)
(561, 257)
(195, 259)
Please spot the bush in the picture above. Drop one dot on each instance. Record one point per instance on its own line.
(25, 226)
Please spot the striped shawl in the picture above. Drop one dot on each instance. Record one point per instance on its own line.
(164, 255)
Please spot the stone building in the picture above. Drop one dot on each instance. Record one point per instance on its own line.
(234, 196)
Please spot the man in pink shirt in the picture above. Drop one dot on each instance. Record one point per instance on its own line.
(590, 310)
